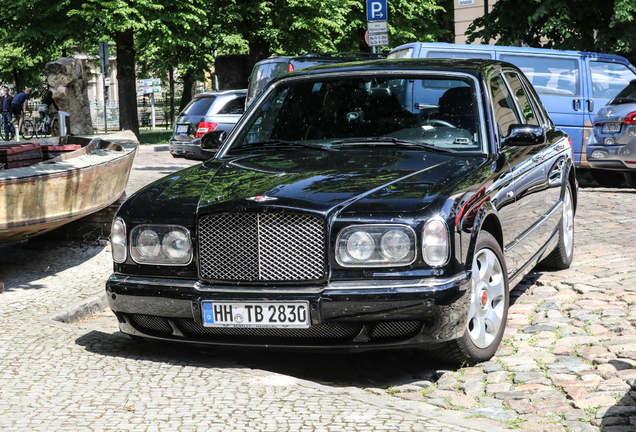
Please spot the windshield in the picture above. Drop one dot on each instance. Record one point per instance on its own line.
(437, 110)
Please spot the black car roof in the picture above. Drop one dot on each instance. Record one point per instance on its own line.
(474, 67)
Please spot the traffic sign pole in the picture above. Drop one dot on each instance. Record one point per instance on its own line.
(377, 26)
(152, 107)
(103, 60)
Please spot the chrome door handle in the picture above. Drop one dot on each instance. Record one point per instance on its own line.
(510, 194)
(537, 158)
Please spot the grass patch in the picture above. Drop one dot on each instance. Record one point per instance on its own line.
(155, 137)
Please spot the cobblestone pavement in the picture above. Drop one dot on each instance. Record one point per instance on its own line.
(56, 376)
(567, 362)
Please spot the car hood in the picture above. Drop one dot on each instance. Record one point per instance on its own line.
(347, 180)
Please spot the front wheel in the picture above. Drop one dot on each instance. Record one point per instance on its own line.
(561, 257)
(488, 310)
(39, 128)
(27, 129)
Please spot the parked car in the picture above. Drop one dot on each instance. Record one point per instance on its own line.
(611, 151)
(361, 206)
(206, 112)
(272, 67)
(572, 85)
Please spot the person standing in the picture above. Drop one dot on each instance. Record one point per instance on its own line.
(5, 106)
(17, 111)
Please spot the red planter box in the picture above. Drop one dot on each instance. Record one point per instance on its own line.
(20, 155)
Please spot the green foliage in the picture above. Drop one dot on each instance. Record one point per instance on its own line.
(586, 25)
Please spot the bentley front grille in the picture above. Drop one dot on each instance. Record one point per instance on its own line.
(261, 247)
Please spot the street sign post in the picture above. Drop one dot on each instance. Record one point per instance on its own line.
(151, 86)
(377, 26)
(103, 63)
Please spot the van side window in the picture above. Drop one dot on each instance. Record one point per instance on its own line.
(505, 113)
(549, 76)
(527, 110)
(609, 78)
(458, 54)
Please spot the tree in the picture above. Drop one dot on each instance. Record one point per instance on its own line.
(586, 25)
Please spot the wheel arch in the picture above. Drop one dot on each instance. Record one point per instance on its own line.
(486, 219)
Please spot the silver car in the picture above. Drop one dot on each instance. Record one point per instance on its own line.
(611, 150)
(206, 112)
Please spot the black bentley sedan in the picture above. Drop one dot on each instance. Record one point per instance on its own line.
(360, 206)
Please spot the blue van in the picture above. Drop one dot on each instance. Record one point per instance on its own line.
(572, 85)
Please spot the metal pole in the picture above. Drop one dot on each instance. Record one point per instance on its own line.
(152, 107)
(105, 99)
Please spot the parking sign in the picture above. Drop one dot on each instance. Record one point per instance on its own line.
(377, 10)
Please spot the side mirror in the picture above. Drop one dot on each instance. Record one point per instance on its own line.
(524, 135)
(213, 140)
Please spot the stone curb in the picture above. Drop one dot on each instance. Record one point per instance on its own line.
(160, 148)
(77, 312)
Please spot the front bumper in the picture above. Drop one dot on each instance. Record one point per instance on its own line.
(353, 315)
(190, 149)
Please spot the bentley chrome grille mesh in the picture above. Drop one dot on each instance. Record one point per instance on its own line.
(261, 247)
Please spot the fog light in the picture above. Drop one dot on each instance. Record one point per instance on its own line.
(609, 141)
(599, 154)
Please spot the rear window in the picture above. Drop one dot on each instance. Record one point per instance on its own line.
(548, 75)
(403, 53)
(199, 105)
(627, 95)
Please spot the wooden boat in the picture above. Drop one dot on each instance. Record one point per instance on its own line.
(39, 198)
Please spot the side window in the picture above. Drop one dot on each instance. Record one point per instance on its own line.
(505, 113)
(527, 109)
(548, 75)
(609, 78)
(235, 106)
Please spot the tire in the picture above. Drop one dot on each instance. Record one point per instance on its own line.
(561, 257)
(487, 314)
(27, 129)
(55, 128)
(608, 179)
(630, 179)
(11, 133)
(39, 130)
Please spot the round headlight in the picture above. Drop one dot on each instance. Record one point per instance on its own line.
(395, 245)
(118, 241)
(360, 246)
(176, 245)
(148, 244)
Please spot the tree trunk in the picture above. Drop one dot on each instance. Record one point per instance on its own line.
(18, 76)
(171, 83)
(126, 82)
(188, 82)
(259, 50)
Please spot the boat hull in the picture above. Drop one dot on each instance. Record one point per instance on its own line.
(37, 199)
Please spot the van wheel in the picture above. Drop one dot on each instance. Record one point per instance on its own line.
(561, 256)
(488, 310)
(630, 179)
(608, 179)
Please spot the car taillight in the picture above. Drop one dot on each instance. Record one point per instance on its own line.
(630, 118)
(290, 68)
(205, 127)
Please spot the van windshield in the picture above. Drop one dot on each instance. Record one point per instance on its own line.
(262, 74)
(438, 110)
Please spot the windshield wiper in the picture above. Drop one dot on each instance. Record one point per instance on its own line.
(281, 144)
(622, 100)
(390, 140)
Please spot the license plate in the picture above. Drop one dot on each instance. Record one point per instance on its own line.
(182, 128)
(256, 314)
(611, 127)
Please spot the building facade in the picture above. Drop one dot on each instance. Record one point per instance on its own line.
(466, 11)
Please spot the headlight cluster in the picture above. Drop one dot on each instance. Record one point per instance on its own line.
(152, 244)
(376, 245)
(392, 245)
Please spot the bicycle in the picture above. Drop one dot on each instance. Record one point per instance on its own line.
(27, 131)
(47, 127)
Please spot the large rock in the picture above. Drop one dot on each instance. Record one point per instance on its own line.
(68, 81)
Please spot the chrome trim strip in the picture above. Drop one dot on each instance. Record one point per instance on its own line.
(396, 285)
(159, 282)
